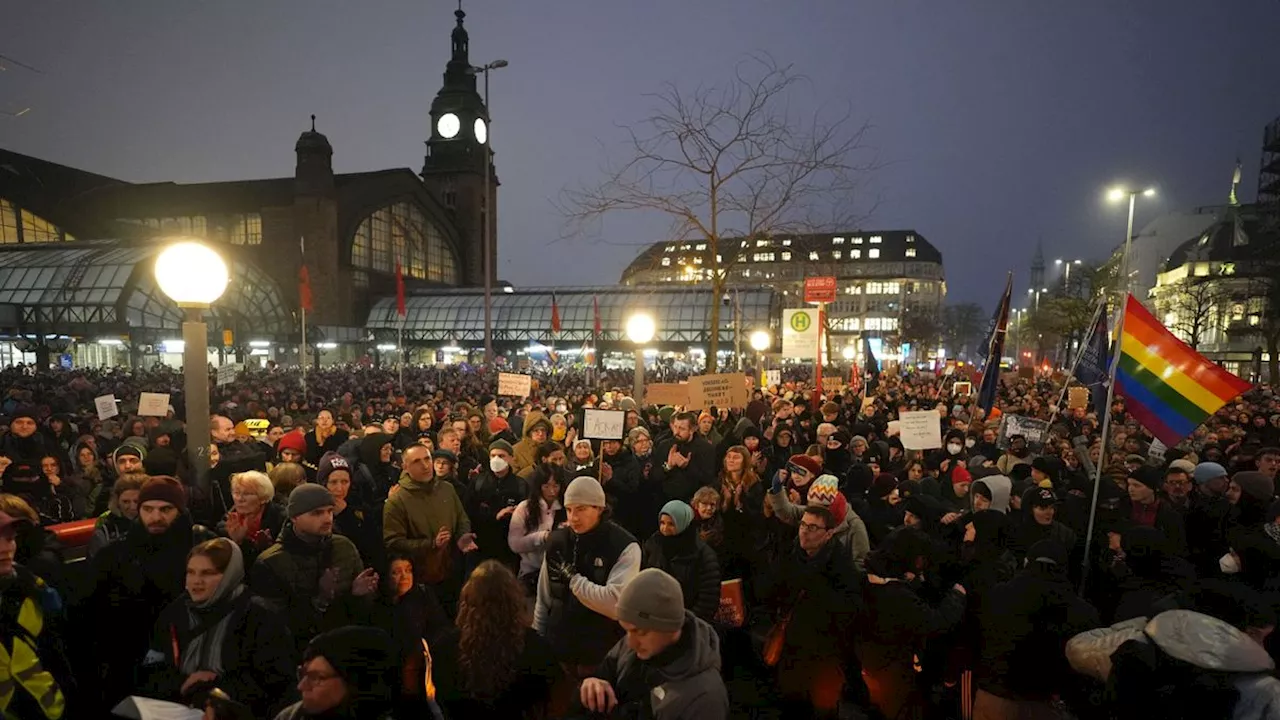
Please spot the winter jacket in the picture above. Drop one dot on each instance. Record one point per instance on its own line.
(490, 495)
(272, 522)
(31, 641)
(525, 452)
(578, 588)
(414, 515)
(528, 696)
(287, 578)
(108, 528)
(680, 483)
(531, 546)
(851, 532)
(692, 563)
(823, 594)
(681, 683)
(1198, 640)
(257, 655)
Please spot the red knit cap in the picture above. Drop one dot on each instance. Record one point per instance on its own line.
(839, 508)
(960, 475)
(808, 462)
(294, 441)
(162, 488)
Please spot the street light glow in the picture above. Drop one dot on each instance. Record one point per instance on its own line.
(1149, 192)
(761, 340)
(191, 273)
(1116, 194)
(847, 352)
(640, 328)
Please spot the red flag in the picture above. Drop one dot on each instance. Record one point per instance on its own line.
(555, 315)
(595, 306)
(400, 309)
(304, 288)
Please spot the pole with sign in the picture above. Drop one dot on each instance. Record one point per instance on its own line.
(820, 290)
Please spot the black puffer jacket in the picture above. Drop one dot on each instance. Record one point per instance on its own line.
(692, 562)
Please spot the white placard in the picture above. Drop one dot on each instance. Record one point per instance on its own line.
(800, 333)
(153, 404)
(227, 373)
(106, 406)
(1156, 450)
(773, 377)
(603, 424)
(515, 385)
(921, 429)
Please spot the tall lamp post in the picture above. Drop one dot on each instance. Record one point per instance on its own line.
(760, 341)
(1115, 195)
(488, 239)
(640, 330)
(194, 276)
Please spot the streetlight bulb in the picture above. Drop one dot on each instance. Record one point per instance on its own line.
(191, 273)
(1058, 261)
(847, 352)
(498, 64)
(640, 328)
(1149, 192)
(761, 340)
(1116, 194)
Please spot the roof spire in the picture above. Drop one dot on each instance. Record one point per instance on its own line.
(460, 39)
(313, 122)
(1235, 182)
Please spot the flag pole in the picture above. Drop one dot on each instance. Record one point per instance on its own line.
(302, 350)
(1105, 440)
(1084, 346)
(403, 352)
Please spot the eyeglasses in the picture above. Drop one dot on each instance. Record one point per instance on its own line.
(810, 527)
(314, 678)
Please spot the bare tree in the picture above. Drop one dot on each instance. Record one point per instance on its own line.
(729, 166)
(1195, 306)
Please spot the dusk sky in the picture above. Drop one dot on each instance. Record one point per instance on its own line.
(997, 123)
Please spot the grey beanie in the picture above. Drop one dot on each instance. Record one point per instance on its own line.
(307, 497)
(585, 490)
(652, 600)
(503, 445)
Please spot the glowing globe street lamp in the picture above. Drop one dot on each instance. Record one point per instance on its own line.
(194, 276)
(760, 341)
(640, 330)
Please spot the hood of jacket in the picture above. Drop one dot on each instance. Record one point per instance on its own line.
(531, 421)
(1000, 487)
(702, 653)
(1207, 642)
(371, 448)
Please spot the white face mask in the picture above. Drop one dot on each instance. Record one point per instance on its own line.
(1228, 564)
(953, 448)
(497, 464)
(970, 442)
(561, 408)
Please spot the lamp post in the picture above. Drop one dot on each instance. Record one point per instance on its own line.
(760, 341)
(1115, 195)
(640, 330)
(194, 276)
(487, 221)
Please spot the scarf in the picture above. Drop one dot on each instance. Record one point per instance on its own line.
(207, 621)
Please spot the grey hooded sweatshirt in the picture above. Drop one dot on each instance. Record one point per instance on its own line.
(685, 687)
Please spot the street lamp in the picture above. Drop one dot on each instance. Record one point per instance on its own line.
(194, 276)
(848, 352)
(1115, 195)
(760, 341)
(640, 330)
(489, 238)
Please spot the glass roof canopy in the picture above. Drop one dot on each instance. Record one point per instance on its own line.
(682, 314)
(104, 288)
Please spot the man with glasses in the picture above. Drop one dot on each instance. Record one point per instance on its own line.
(1176, 493)
(350, 672)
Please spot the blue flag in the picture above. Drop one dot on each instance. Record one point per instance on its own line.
(985, 347)
(870, 366)
(1092, 371)
(995, 350)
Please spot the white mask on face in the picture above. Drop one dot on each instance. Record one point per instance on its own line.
(497, 464)
(1228, 564)
(970, 442)
(953, 448)
(561, 408)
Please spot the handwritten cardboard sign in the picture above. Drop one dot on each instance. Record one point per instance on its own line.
(153, 404)
(603, 424)
(920, 430)
(515, 385)
(666, 394)
(724, 390)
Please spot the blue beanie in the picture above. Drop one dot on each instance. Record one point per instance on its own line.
(680, 512)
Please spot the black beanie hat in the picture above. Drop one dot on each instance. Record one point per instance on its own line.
(365, 658)
(161, 460)
(1149, 476)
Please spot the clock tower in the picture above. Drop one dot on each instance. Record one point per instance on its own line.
(454, 167)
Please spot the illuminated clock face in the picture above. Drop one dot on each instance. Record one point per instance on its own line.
(448, 125)
(481, 130)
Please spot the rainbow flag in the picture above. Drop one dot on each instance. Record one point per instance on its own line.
(1168, 387)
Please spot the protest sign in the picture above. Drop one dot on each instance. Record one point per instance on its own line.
(725, 390)
(1078, 397)
(603, 424)
(515, 385)
(1030, 428)
(666, 394)
(227, 373)
(153, 404)
(106, 406)
(920, 430)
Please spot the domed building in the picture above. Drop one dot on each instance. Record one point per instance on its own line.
(76, 247)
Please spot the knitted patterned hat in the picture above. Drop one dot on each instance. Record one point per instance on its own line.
(807, 462)
(823, 491)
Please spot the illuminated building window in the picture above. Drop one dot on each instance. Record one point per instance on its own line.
(873, 253)
(401, 233)
(246, 229)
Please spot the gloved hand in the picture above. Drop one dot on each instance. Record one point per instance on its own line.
(559, 571)
(779, 479)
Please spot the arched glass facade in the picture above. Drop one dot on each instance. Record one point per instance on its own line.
(402, 233)
(22, 226)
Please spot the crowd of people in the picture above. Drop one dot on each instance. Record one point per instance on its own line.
(383, 547)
